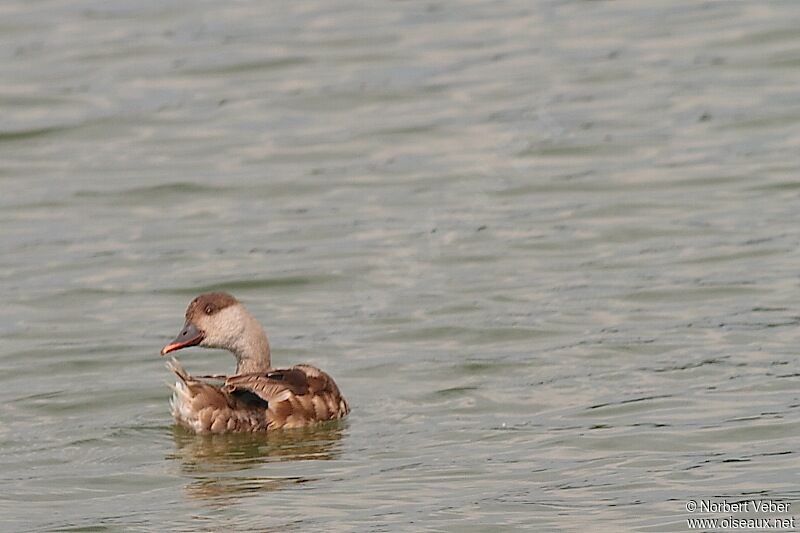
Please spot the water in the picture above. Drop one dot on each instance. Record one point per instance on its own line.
(549, 250)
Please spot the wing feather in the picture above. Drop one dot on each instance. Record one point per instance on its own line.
(295, 396)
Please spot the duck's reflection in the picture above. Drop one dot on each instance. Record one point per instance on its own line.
(226, 465)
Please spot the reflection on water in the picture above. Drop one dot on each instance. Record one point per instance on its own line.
(242, 450)
(226, 466)
(225, 489)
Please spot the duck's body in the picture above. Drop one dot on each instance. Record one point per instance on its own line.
(258, 397)
(289, 398)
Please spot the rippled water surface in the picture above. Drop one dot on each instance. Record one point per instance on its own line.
(548, 249)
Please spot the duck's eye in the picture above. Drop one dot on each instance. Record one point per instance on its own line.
(209, 309)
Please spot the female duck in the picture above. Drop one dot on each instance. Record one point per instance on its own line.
(258, 397)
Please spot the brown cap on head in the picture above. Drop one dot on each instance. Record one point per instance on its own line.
(209, 303)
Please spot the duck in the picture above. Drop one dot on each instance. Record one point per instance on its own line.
(257, 397)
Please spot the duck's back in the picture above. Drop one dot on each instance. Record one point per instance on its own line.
(296, 397)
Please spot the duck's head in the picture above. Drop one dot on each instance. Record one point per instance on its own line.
(213, 320)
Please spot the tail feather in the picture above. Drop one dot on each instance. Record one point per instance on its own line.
(176, 367)
(181, 401)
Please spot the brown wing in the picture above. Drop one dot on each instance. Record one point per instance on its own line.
(296, 396)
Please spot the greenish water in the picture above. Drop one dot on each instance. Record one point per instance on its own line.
(548, 249)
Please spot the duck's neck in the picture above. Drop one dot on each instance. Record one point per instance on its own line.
(252, 349)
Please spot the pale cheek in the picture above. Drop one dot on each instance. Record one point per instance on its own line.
(211, 340)
(216, 340)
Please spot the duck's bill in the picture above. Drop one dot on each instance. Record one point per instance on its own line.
(189, 336)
